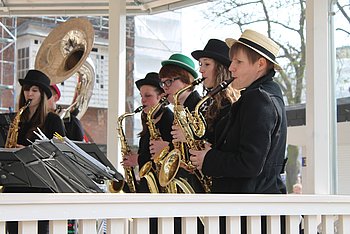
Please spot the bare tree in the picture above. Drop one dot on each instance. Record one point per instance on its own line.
(281, 20)
(342, 10)
(284, 22)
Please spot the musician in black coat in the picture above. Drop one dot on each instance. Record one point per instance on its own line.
(213, 65)
(249, 151)
(151, 93)
(36, 87)
(176, 73)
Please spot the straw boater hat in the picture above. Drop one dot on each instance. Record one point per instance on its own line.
(214, 49)
(259, 43)
(182, 61)
(37, 78)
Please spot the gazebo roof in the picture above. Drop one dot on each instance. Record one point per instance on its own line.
(88, 7)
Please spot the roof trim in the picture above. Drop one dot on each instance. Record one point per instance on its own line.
(93, 8)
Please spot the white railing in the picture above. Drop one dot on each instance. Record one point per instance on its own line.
(128, 213)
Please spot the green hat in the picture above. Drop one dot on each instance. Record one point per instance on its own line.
(182, 61)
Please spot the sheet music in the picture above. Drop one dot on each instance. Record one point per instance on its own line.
(9, 149)
(86, 156)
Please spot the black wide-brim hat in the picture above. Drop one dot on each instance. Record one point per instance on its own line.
(37, 78)
(152, 78)
(214, 49)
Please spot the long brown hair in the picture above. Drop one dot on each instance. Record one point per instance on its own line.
(38, 119)
(228, 96)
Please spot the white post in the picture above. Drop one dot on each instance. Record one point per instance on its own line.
(116, 71)
(318, 99)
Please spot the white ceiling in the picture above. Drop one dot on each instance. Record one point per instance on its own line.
(87, 7)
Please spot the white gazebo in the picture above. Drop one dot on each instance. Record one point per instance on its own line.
(130, 212)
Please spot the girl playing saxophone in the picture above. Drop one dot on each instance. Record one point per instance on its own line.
(151, 93)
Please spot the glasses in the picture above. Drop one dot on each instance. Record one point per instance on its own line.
(169, 82)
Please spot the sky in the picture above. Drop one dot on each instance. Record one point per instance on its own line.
(196, 31)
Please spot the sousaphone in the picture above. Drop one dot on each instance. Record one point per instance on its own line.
(64, 53)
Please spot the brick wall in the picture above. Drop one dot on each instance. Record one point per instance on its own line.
(95, 119)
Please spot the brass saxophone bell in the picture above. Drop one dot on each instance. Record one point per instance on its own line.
(145, 169)
(170, 167)
(115, 186)
(147, 173)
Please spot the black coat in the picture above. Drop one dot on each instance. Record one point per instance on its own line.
(190, 103)
(210, 132)
(164, 127)
(250, 142)
(53, 123)
(74, 128)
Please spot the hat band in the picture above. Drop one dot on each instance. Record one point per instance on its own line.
(258, 47)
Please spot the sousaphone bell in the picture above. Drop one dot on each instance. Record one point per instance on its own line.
(65, 49)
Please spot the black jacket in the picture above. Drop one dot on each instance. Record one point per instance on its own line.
(250, 142)
(74, 128)
(53, 123)
(190, 103)
(164, 127)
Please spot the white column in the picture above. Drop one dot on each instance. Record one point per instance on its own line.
(318, 99)
(116, 71)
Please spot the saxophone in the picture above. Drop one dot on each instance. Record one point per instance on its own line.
(12, 135)
(145, 171)
(177, 155)
(197, 124)
(196, 120)
(125, 148)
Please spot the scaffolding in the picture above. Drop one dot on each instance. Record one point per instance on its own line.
(8, 37)
(8, 52)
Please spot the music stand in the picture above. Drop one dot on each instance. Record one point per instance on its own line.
(13, 173)
(55, 169)
(93, 150)
(97, 167)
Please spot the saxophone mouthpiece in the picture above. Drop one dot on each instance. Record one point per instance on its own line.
(198, 81)
(28, 102)
(223, 85)
(139, 109)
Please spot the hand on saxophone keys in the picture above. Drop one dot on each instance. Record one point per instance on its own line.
(156, 147)
(197, 156)
(130, 160)
(177, 134)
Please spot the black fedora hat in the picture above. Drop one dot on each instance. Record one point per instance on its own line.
(152, 78)
(37, 78)
(214, 49)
